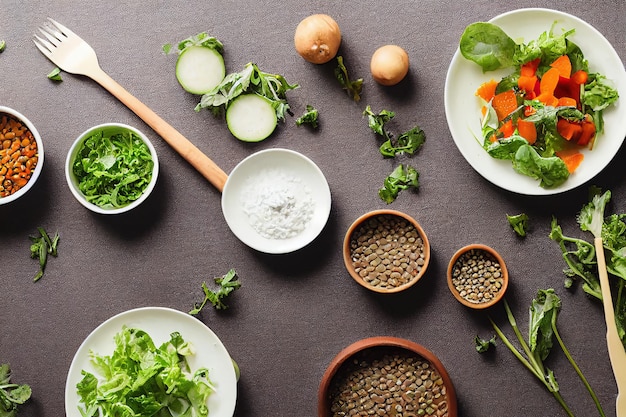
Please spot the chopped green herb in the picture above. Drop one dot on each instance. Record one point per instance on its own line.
(519, 223)
(407, 143)
(201, 39)
(227, 284)
(11, 395)
(309, 117)
(353, 88)
(113, 170)
(55, 74)
(402, 178)
(139, 379)
(3, 46)
(250, 80)
(483, 345)
(41, 247)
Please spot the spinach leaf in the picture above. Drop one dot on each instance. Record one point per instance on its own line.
(483, 345)
(505, 148)
(309, 117)
(227, 284)
(550, 171)
(402, 178)
(488, 46)
(519, 223)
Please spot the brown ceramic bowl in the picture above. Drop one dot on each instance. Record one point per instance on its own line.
(490, 283)
(362, 251)
(372, 353)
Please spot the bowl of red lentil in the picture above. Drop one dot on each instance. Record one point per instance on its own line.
(477, 276)
(386, 251)
(21, 155)
(386, 376)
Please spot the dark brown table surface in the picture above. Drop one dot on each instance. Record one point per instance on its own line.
(294, 312)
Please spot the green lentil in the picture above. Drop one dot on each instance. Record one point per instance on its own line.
(387, 251)
(388, 382)
(477, 276)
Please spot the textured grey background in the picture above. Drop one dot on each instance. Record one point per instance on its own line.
(295, 312)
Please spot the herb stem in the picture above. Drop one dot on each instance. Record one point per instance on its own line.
(517, 354)
(536, 364)
(576, 368)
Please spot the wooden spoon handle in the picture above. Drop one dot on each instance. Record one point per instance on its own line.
(614, 343)
(175, 139)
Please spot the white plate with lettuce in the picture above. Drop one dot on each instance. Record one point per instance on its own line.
(201, 348)
(463, 107)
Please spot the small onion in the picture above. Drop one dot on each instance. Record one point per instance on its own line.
(317, 38)
(389, 65)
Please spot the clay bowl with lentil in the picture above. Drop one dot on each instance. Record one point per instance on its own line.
(477, 276)
(386, 376)
(111, 168)
(21, 155)
(386, 251)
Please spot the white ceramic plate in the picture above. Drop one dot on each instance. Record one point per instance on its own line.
(159, 322)
(463, 108)
(294, 166)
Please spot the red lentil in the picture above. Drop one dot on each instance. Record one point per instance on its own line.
(18, 155)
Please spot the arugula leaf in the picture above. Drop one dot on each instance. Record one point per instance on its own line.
(250, 80)
(407, 143)
(353, 88)
(113, 170)
(519, 223)
(401, 178)
(483, 345)
(55, 74)
(140, 379)
(488, 46)
(11, 395)
(309, 117)
(201, 39)
(41, 247)
(227, 284)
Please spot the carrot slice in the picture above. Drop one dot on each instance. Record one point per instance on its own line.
(588, 131)
(504, 103)
(507, 128)
(569, 130)
(487, 90)
(572, 158)
(548, 99)
(563, 65)
(549, 81)
(527, 130)
(567, 101)
(527, 83)
(530, 68)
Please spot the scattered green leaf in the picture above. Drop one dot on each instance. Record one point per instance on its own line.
(55, 74)
(139, 379)
(519, 223)
(309, 117)
(11, 395)
(227, 284)
(483, 345)
(402, 178)
(201, 39)
(407, 143)
(353, 88)
(3, 46)
(250, 80)
(41, 247)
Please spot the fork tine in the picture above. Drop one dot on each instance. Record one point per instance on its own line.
(53, 39)
(43, 45)
(61, 28)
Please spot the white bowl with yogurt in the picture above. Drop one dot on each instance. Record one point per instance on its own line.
(276, 201)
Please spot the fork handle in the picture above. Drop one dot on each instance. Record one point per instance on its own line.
(175, 139)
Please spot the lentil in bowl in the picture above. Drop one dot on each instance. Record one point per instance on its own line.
(21, 155)
(477, 276)
(386, 251)
(386, 376)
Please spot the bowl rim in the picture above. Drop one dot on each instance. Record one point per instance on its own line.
(505, 276)
(346, 250)
(382, 341)
(70, 179)
(40, 155)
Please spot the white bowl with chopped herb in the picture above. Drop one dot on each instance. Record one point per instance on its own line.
(111, 168)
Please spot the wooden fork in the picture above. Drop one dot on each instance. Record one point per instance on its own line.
(72, 54)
